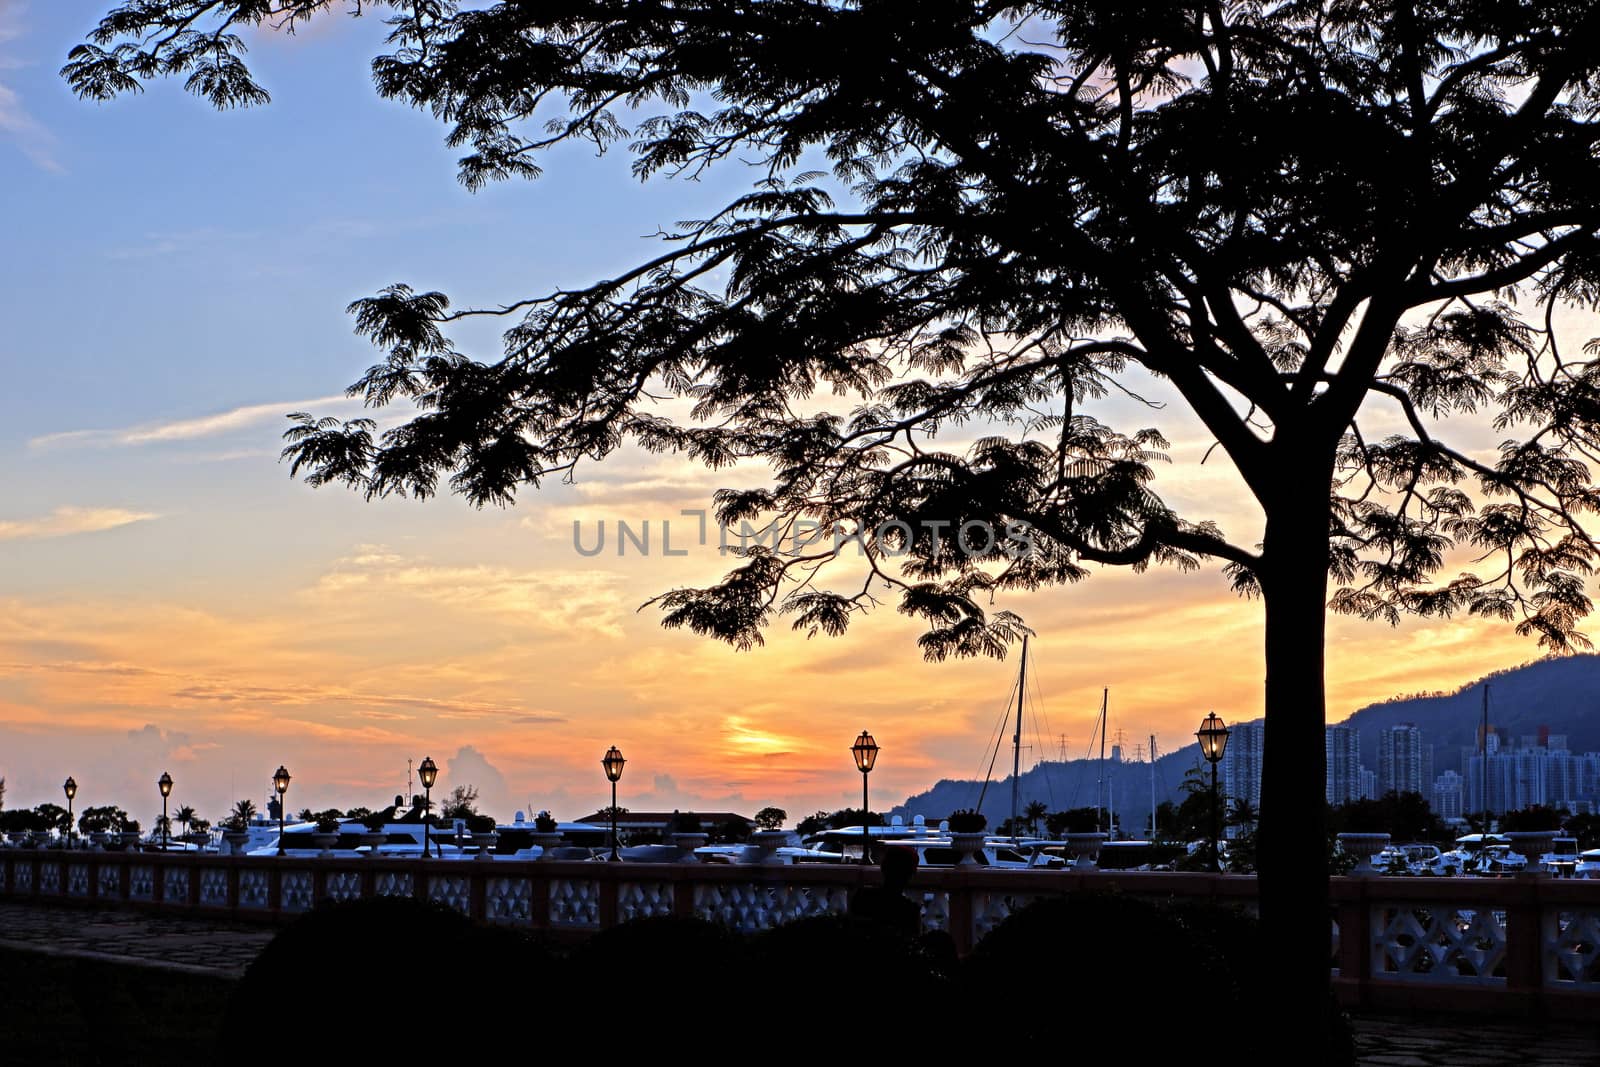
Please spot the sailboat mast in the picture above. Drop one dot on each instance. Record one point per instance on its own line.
(1016, 739)
(1100, 784)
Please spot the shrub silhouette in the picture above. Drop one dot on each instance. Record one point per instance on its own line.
(374, 978)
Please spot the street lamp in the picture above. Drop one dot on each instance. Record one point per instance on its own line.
(613, 765)
(429, 773)
(164, 783)
(865, 750)
(69, 787)
(280, 782)
(1213, 735)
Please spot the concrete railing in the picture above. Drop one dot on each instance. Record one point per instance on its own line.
(1519, 946)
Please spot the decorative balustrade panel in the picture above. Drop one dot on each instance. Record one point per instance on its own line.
(991, 909)
(213, 888)
(750, 906)
(50, 877)
(295, 892)
(1396, 939)
(1442, 943)
(574, 903)
(1572, 949)
(255, 889)
(642, 900)
(393, 884)
(342, 885)
(451, 890)
(509, 900)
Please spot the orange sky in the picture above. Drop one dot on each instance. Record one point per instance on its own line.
(485, 640)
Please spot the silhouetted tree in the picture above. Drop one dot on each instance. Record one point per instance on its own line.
(1404, 816)
(732, 831)
(1034, 813)
(460, 803)
(1072, 821)
(239, 818)
(853, 817)
(102, 819)
(1533, 817)
(183, 817)
(771, 818)
(814, 823)
(1586, 828)
(1307, 220)
(54, 817)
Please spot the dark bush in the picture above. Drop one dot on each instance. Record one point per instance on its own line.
(1123, 962)
(373, 978)
(663, 954)
(835, 960)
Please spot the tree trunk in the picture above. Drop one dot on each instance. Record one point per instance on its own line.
(1292, 855)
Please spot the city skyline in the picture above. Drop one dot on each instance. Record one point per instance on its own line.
(174, 602)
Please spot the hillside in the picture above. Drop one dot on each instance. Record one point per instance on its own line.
(1561, 693)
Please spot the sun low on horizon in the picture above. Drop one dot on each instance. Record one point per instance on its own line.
(171, 600)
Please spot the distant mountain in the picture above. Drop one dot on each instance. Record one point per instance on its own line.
(1062, 785)
(1562, 693)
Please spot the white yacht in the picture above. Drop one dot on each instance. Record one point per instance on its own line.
(1588, 865)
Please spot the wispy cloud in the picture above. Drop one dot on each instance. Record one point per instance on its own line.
(17, 124)
(66, 521)
(190, 429)
(179, 242)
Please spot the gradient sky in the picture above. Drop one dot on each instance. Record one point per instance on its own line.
(173, 282)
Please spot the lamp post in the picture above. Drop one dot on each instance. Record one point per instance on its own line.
(865, 750)
(428, 772)
(69, 787)
(613, 764)
(164, 783)
(280, 782)
(1213, 735)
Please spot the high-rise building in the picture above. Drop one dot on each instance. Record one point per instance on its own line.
(1241, 763)
(1449, 796)
(1402, 765)
(1369, 785)
(1342, 754)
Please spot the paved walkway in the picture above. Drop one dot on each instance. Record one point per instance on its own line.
(224, 950)
(1466, 1041)
(195, 946)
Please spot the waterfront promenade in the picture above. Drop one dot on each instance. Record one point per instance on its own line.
(220, 949)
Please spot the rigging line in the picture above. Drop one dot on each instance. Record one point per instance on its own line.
(1050, 771)
(1049, 788)
(1088, 754)
(999, 728)
(1041, 764)
(1000, 737)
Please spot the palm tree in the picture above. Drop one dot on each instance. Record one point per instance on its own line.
(243, 812)
(184, 816)
(1243, 814)
(1033, 813)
